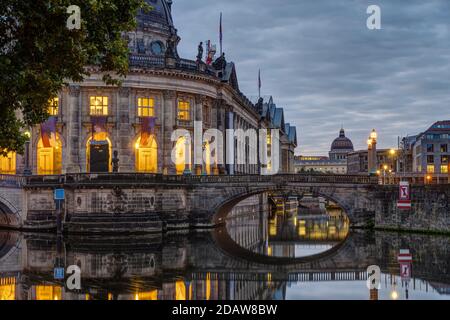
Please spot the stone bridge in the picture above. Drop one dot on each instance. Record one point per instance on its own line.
(129, 201)
(152, 203)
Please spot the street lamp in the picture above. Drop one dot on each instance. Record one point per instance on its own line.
(27, 170)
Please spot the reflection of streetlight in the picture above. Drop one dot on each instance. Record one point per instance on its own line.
(394, 295)
(27, 169)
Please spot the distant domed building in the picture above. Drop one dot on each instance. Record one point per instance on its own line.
(341, 147)
(336, 163)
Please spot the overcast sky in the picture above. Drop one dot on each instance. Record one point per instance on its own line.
(326, 69)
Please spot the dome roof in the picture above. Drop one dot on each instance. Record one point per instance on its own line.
(342, 142)
(161, 15)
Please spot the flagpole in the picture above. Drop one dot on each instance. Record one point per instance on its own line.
(259, 84)
(221, 34)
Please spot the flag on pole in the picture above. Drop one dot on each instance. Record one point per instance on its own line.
(147, 130)
(221, 34)
(48, 131)
(99, 126)
(259, 83)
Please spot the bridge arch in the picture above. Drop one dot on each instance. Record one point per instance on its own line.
(9, 214)
(225, 204)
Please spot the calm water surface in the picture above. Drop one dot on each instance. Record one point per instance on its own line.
(290, 254)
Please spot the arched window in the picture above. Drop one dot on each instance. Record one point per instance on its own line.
(8, 163)
(49, 157)
(147, 155)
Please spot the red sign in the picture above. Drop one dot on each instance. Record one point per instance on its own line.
(404, 256)
(405, 271)
(404, 201)
(405, 260)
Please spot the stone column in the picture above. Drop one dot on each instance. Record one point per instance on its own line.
(219, 112)
(169, 115)
(229, 154)
(72, 115)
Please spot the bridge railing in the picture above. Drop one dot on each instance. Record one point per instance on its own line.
(14, 181)
(142, 178)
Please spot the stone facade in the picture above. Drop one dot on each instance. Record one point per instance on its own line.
(430, 209)
(210, 94)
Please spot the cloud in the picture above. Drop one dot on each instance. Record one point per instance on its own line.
(325, 68)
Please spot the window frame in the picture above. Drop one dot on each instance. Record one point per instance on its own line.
(150, 107)
(102, 106)
(184, 111)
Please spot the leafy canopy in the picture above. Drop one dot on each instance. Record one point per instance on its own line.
(39, 55)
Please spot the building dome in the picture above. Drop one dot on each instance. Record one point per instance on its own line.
(156, 35)
(342, 143)
(160, 16)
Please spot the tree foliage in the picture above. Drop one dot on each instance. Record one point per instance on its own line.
(39, 55)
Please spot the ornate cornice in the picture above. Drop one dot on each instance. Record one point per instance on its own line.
(74, 91)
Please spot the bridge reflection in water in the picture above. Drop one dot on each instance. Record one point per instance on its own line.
(195, 266)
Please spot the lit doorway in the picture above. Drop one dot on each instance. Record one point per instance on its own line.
(98, 156)
(147, 155)
(49, 158)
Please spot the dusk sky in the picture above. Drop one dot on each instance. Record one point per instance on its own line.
(326, 69)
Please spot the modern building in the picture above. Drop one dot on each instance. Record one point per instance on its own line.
(358, 161)
(431, 149)
(336, 163)
(136, 127)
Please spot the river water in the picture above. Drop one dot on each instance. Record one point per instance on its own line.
(259, 254)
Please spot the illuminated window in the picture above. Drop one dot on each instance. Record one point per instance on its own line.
(444, 168)
(7, 288)
(49, 292)
(146, 107)
(184, 109)
(53, 107)
(8, 163)
(98, 106)
(430, 168)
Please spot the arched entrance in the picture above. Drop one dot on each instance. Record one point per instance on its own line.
(8, 163)
(183, 152)
(49, 156)
(147, 155)
(99, 155)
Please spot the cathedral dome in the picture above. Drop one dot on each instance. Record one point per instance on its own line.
(342, 142)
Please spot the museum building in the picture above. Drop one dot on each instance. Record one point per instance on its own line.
(94, 127)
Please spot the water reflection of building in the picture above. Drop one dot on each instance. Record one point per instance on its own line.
(285, 234)
(190, 268)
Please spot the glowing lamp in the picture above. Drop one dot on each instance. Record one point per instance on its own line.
(373, 135)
